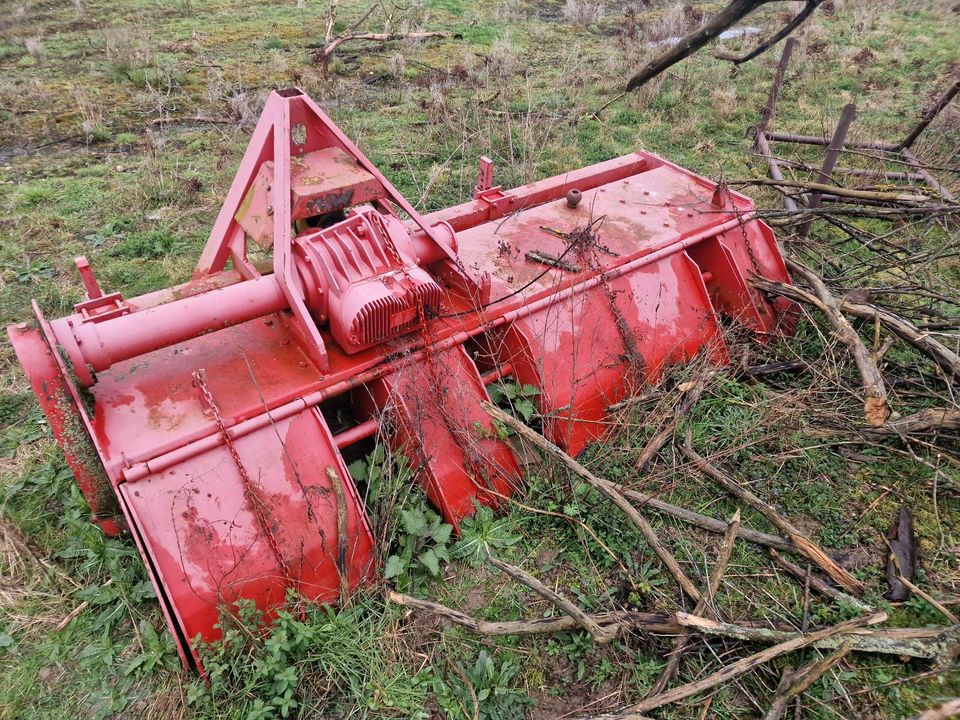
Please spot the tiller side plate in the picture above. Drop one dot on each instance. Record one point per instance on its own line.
(209, 419)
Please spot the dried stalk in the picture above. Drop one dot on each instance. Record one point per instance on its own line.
(607, 488)
(802, 542)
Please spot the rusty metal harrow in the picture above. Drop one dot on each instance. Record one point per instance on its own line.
(208, 419)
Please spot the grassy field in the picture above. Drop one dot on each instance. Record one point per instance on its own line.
(102, 154)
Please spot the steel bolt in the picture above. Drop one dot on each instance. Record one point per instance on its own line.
(574, 197)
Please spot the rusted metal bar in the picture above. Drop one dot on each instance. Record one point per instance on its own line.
(777, 84)
(814, 140)
(830, 160)
(764, 147)
(929, 115)
(927, 177)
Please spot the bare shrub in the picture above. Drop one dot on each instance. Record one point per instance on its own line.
(503, 57)
(246, 107)
(579, 12)
(34, 47)
(511, 10)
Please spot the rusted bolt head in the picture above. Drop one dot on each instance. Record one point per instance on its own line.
(573, 198)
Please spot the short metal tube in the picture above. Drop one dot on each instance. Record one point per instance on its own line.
(101, 344)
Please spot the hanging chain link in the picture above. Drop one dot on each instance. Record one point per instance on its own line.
(255, 502)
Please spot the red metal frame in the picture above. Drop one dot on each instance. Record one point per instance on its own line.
(202, 426)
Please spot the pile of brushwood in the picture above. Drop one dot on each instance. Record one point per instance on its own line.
(872, 300)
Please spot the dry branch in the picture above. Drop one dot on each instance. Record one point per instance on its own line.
(930, 421)
(943, 356)
(750, 662)
(726, 18)
(794, 683)
(938, 644)
(691, 395)
(942, 645)
(802, 542)
(607, 488)
(875, 406)
(838, 191)
(819, 584)
(805, 12)
(707, 523)
(323, 53)
(600, 635)
(703, 606)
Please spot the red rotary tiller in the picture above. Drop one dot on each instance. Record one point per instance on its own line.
(207, 419)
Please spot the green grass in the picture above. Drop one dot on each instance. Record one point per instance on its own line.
(138, 200)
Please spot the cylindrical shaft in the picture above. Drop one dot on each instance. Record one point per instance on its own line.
(101, 344)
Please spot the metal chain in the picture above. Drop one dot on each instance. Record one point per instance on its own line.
(254, 501)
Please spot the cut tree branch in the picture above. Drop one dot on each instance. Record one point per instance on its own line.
(797, 682)
(703, 606)
(600, 635)
(797, 20)
(937, 644)
(802, 542)
(726, 18)
(875, 405)
(323, 53)
(750, 662)
(606, 488)
(943, 356)
(691, 395)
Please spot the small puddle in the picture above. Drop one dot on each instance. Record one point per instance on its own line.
(730, 34)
